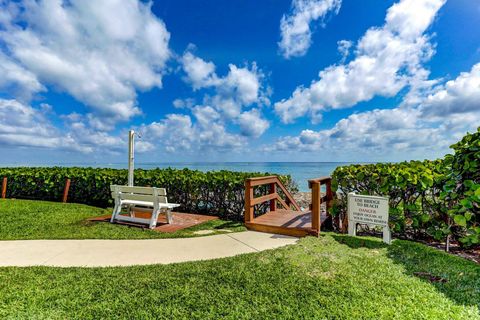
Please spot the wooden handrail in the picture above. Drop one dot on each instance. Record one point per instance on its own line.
(272, 196)
(258, 181)
(317, 199)
(264, 198)
(321, 180)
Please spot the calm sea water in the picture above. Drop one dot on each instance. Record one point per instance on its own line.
(300, 171)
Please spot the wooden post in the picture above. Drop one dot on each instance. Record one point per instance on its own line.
(248, 199)
(315, 186)
(329, 195)
(273, 202)
(4, 188)
(65, 190)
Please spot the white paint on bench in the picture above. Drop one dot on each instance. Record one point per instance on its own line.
(155, 198)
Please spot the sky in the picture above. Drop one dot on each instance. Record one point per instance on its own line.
(239, 80)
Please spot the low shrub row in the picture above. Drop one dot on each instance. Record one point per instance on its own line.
(218, 193)
(439, 198)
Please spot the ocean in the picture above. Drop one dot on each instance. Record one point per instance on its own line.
(301, 172)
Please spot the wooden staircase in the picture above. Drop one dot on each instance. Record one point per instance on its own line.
(287, 219)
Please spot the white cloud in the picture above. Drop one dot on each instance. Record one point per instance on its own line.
(252, 124)
(386, 60)
(200, 73)
(240, 88)
(426, 128)
(178, 133)
(99, 52)
(15, 78)
(458, 96)
(344, 49)
(23, 126)
(295, 29)
(183, 103)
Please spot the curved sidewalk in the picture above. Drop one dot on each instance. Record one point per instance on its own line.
(111, 253)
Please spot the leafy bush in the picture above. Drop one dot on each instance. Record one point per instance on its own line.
(437, 198)
(410, 187)
(461, 190)
(218, 193)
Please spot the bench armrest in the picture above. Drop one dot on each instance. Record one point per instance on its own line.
(168, 205)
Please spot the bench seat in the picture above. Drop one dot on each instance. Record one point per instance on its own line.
(155, 198)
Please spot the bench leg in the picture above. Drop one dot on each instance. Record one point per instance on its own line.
(154, 218)
(169, 216)
(116, 210)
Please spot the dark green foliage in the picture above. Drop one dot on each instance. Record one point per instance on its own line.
(218, 193)
(461, 191)
(410, 186)
(427, 198)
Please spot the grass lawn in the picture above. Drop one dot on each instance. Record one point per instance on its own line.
(334, 277)
(26, 219)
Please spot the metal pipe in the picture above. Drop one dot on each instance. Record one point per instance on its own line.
(131, 156)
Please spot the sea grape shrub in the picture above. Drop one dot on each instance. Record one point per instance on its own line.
(461, 191)
(218, 193)
(408, 185)
(439, 198)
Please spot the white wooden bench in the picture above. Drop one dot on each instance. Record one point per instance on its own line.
(141, 198)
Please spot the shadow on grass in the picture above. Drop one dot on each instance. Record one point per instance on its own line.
(455, 277)
(357, 242)
(229, 225)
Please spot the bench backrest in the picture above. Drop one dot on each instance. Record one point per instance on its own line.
(150, 194)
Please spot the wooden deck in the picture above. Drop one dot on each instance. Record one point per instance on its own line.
(286, 222)
(289, 219)
(180, 221)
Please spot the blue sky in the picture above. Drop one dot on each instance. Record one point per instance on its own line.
(299, 80)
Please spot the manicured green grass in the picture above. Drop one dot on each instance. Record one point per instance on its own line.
(331, 277)
(25, 219)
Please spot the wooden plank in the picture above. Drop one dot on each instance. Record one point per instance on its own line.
(65, 190)
(139, 190)
(320, 180)
(142, 197)
(286, 218)
(133, 219)
(265, 180)
(260, 178)
(288, 195)
(248, 216)
(294, 232)
(315, 206)
(264, 198)
(273, 202)
(4, 188)
(283, 203)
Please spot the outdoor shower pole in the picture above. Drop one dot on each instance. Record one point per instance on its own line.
(131, 156)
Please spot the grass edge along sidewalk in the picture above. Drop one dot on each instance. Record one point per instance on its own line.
(31, 219)
(334, 276)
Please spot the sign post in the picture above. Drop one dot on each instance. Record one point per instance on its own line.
(369, 210)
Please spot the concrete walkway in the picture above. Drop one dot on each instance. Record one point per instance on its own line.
(109, 253)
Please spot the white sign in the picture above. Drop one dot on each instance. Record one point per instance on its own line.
(369, 210)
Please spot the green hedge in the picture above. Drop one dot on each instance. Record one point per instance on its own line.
(410, 186)
(439, 198)
(461, 190)
(218, 193)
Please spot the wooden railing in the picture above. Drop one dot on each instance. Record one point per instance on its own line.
(272, 196)
(318, 199)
